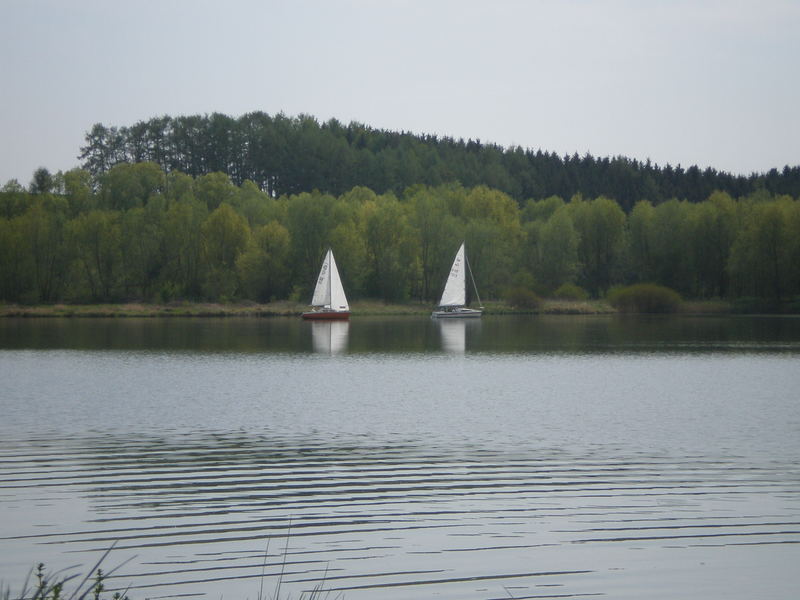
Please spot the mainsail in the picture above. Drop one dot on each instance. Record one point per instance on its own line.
(338, 299)
(322, 292)
(455, 290)
(329, 292)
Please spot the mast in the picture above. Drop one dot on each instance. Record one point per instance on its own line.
(336, 298)
(472, 278)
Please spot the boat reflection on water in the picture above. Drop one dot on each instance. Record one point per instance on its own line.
(453, 333)
(330, 337)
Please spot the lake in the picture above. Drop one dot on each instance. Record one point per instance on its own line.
(401, 457)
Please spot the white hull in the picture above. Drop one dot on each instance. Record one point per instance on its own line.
(456, 313)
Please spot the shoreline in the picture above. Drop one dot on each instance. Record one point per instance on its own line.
(292, 309)
(273, 309)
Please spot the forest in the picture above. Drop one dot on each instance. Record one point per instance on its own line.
(136, 231)
(289, 155)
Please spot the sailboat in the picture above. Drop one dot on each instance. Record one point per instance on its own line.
(329, 299)
(454, 297)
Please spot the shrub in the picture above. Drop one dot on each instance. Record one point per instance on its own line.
(570, 291)
(522, 298)
(645, 298)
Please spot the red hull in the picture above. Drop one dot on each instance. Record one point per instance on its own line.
(326, 315)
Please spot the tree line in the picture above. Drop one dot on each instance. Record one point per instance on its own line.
(136, 232)
(288, 155)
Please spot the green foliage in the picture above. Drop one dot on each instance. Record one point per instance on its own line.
(764, 256)
(127, 186)
(13, 200)
(570, 291)
(42, 238)
(183, 246)
(640, 234)
(541, 210)
(286, 155)
(522, 298)
(262, 268)
(225, 236)
(558, 250)
(138, 234)
(179, 187)
(96, 242)
(16, 282)
(712, 230)
(308, 220)
(438, 233)
(669, 240)
(78, 191)
(42, 182)
(600, 224)
(645, 298)
(214, 189)
(390, 249)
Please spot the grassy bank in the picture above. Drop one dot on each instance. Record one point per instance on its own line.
(358, 308)
(277, 309)
(187, 309)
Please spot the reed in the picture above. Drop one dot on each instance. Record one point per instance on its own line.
(645, 298)
(40, 584)
(43, 585)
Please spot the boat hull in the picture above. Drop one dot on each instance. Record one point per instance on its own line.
(326, 315)
(458, 313)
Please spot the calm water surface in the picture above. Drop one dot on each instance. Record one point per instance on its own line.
(533, 457)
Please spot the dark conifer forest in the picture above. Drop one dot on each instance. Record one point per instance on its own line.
(222, 209)
(285, 155)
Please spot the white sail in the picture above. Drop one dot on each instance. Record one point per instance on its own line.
(322, 292)
(329, 292)
(338, 301)
(455, 290)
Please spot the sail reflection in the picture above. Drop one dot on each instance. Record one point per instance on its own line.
(330, 337)
(454, 333)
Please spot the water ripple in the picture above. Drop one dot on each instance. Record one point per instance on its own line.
(195, 511)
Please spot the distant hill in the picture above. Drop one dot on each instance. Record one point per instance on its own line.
(289, 155)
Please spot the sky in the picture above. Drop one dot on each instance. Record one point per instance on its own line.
(695, 82)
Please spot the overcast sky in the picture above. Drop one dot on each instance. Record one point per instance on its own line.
(712, 83)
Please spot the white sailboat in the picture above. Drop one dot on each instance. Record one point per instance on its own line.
(329, 299)
(454, 297)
